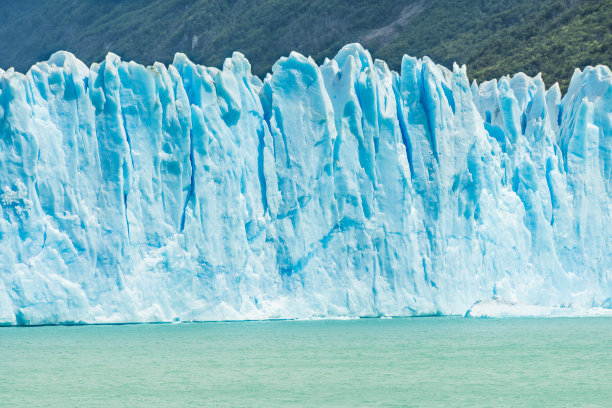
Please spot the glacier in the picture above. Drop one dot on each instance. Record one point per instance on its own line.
(190, 193)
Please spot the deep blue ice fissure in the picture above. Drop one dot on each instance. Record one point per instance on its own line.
(132, 193)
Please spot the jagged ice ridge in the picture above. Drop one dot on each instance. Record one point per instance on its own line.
(132, 193)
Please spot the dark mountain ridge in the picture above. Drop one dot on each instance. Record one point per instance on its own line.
(493, 38)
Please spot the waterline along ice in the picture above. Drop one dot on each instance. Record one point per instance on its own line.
(132, 193)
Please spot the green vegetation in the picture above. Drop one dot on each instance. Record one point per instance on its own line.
(491, 37)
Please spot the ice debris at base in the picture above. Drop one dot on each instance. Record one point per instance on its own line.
(500, 308)
(132, 193)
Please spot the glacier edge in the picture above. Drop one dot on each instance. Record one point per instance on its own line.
(183, 192)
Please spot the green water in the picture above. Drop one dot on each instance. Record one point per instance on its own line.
(358, 363)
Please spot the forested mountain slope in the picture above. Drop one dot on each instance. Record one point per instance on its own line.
(493, 38)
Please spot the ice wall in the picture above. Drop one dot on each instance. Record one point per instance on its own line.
(132, 193)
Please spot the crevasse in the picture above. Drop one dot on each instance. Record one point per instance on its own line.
(132, 193)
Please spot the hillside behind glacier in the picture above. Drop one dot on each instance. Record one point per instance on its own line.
(494, 38)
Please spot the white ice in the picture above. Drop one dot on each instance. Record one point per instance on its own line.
(132, 193)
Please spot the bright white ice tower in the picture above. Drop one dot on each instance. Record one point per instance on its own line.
(132, 193)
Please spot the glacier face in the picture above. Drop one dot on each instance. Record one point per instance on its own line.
(132, 193)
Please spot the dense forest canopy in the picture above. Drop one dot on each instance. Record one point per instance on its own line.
(493, 38)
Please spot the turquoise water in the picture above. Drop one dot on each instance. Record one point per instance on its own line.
(357, 363)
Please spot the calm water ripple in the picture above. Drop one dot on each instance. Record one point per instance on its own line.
(356, 363)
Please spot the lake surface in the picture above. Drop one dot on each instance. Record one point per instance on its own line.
(335, 363)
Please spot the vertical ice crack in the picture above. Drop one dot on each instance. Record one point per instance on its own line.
(260, 168)
(429, 112)
(403, 130)
(126, 174)
(127, 136)
(127, 222)
(191, 193)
